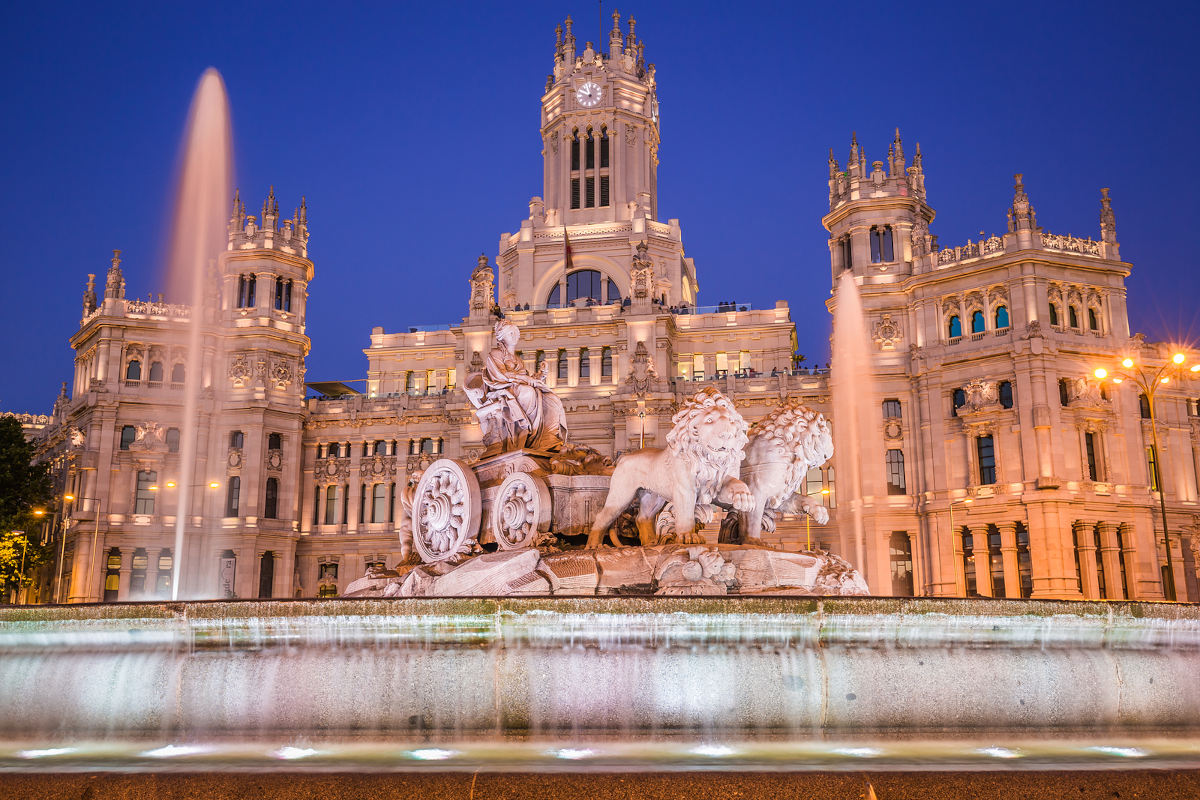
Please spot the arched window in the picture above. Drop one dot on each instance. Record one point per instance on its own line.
(1001, 317)
(977, 321)
(562, 365)
(137, 576)
(178, 373)
(881, 244)
(156, 372)
(891, 408)
(133, 370)
(539, 358)
(279, 294)
(846, 252)
(603, 199)
(379, 502)
(287, 295)
(427, 446)
(1073, 316)
(895, 471)
(968, 557)
(1064, 391)
(172, 440)
(379, 448)
(554, 299)
(589, 180)
(1006, 394)
(266, 574)
(271, 502)
(954, 327)
(583, 284)
(274, 441)
(1054, 314)
(233, 496)
(1144, 406)
(575, 168)
(585, 365)
(128, 436)
(236, 440)
(247, 286)
(606, 362)
(1093, 322)
(900, 547)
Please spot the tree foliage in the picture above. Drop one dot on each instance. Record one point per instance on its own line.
(24, 488)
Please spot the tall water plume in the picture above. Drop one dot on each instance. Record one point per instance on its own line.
(197, 239)
(856, 433)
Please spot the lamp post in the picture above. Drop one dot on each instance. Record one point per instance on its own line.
(1149, 381)
(808, 520)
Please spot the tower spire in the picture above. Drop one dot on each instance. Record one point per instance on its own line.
(1021, 215)
(1108, 220)
(899, 163)
(114, 284)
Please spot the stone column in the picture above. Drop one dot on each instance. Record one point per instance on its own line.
(125, 571)
(1110, 556)
(918, 565)
(982, 558)
(572, 368)
(594, 365)
(1085, 542)
(81, 567)
(1008, 551)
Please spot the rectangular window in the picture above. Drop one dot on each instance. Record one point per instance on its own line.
(891, 409)
(144, 500)
(986, 449)
(1024, 562)
(574, 192)
(902, 565)
(604, 191)
(895, 471)
(591, 152)
(996, 563)
(575, 154)
(603, 150)
(606, 362)
(233, 496)
(562, 365)
(1152, 467)
(379, 503)
(589, 195)
(585, 364)
(1090, 442)
(968, 555)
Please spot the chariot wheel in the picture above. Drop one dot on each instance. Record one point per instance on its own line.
(446, 510)
(520, 511)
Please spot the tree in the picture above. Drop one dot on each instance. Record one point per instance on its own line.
(24, 489)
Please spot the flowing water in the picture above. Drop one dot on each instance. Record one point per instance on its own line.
(856, 429)
(198, 237)
(600, 683)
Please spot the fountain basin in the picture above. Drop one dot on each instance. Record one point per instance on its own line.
(783, 675)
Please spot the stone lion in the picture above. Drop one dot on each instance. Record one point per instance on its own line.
(699, 466)
(783, 446)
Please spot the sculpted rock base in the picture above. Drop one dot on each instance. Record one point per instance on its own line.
(673, 569)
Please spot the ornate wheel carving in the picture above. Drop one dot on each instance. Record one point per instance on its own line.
(520, 511)
(664, 525)
(445, 512)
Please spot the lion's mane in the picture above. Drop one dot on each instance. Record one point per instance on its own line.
(797, 434)
(687, 443)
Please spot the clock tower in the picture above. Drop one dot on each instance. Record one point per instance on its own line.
(600, 129)
(579, 246)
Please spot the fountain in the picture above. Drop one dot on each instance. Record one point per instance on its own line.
(198, 237)
(592, 659)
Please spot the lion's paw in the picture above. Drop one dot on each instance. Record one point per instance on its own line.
(741, 498)
(820, 515)
(695, 537)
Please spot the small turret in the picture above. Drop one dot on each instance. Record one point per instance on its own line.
(89, 295)
(854, 161)
(246, 233)
(896, 157)
(483, 289)
(114, 284)
(1021, 216)
(615, 38)
(568, 47)
(1108, 220)
(916, 176)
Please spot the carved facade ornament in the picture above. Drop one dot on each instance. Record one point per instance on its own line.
(1021, 215)
(378, 467)
(77, 437)
(274, 461)
(642, 378)
(239, 371)
(920, 237)
(281, 375)
(333, 469)
(1086, 393)
(887, 333)
(150, 437)
(981, 395)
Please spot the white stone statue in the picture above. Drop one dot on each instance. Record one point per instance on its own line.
(698, 466)
(515, 409)
(408, 554)
(783, 446)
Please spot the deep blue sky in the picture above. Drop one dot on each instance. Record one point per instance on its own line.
(413, 130)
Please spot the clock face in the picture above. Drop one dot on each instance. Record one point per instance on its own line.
(588, 94)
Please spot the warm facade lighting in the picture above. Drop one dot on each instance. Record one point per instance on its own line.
(170, 484)
(1117, 380)
(1127, 363)
(214, 485)
(1164, 379)
(1177, 358)
(69, 497)
(1101, 373)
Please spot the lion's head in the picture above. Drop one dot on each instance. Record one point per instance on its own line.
(709, 433)
(798, 434)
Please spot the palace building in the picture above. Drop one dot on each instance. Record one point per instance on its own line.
(1001, 465)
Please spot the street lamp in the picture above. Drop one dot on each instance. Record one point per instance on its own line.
(1150, 381)
(808, 519)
